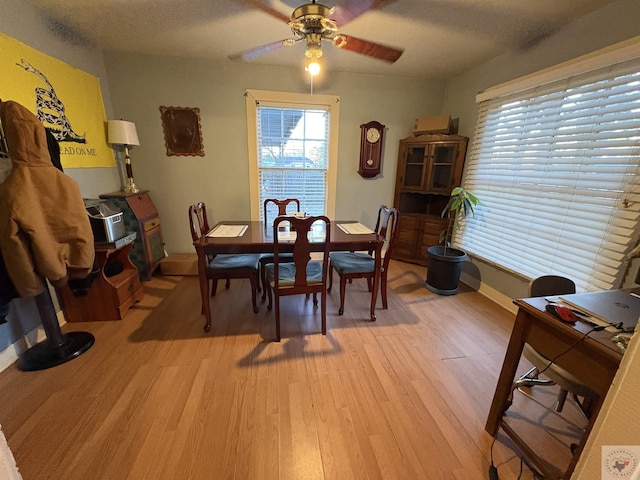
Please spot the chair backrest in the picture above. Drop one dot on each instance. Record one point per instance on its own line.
(303, 227)
(198, 222)
(551, 285)
(387, 227)
(281, 204)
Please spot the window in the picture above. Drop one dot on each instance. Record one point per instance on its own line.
(292, 150)
(556, 168)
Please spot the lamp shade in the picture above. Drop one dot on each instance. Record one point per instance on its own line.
(121, 132)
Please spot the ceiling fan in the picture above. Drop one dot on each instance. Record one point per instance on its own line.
(314, 22)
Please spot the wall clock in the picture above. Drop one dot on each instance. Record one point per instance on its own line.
(370, 149)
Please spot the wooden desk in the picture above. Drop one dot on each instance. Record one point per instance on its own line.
(141, 216)
(594, 361)
(258, 238)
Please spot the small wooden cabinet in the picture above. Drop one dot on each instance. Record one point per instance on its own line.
(114, 289)
(140, 216)
(429, 166)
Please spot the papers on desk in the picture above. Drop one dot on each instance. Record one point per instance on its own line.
(227, 231)
(354, 228)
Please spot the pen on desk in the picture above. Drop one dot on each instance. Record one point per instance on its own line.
(634, 294)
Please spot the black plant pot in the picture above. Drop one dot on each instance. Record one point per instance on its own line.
(443, 271)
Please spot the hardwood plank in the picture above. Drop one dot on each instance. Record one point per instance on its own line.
(403, 397)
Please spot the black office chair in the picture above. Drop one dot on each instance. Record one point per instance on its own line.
(583, 396)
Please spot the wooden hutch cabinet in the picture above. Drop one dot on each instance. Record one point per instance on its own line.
(429, 166)
(140, 216)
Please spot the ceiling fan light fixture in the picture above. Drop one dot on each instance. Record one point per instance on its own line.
(314, 49)
(314, 22)
(313, 67)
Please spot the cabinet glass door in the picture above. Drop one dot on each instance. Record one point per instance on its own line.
(442, 162)
(414, 166)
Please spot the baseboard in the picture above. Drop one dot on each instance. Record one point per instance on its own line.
(492, 294)
(10, 354)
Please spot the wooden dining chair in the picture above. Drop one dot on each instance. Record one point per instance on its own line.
(266, 258)
(224, 266)
(282, 206)
(302, 275)
(350, 265)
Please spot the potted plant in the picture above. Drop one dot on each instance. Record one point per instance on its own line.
(445, 262)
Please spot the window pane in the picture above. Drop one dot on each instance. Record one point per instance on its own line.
(293, 155)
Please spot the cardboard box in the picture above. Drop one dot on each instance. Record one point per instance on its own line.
(179, 264)
(438, 124)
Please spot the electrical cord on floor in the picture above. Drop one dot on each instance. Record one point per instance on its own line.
(520, 474)
(493, 470)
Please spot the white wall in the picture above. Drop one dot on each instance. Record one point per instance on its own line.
(141, 84)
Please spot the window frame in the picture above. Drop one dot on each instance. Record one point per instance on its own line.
(291, 100)
(610, 265)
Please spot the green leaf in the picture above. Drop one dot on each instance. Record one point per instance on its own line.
(475, 200)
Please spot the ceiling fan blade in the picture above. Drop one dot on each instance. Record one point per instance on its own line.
(265, 6)
(351, 9)
(257, 51)
(371, 49)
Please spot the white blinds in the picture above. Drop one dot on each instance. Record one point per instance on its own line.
(293, 156)
(557, 171)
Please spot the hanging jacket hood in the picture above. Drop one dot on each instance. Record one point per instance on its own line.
(44, 227)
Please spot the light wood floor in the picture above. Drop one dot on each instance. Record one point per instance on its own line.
(156, 398)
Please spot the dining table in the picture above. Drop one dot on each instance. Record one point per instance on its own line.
(238, 237)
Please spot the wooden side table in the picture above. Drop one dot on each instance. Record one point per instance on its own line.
(114, 290)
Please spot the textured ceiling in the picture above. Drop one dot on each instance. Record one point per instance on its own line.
(440, 38)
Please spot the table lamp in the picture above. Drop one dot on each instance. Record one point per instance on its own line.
(121, 132)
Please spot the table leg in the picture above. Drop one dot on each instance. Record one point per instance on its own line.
(507, 374)
(376, 281)
(204, 289)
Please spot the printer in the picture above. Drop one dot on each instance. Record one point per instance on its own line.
(106, 220)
